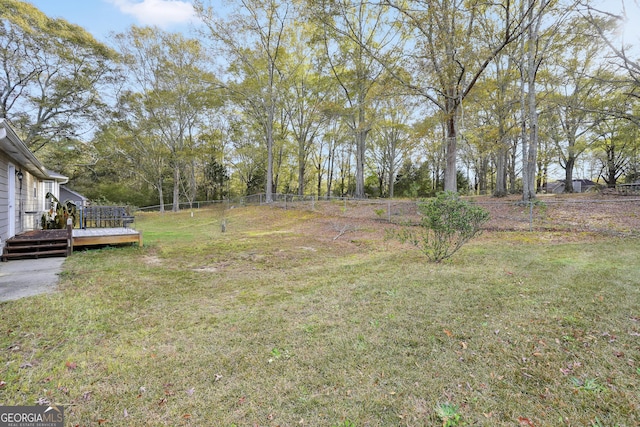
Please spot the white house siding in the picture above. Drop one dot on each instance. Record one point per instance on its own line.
(31, 202)
(19, 225)
(4, 202)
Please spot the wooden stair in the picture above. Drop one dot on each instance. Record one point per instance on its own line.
(37, 244)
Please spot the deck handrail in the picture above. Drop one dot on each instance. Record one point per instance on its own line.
(105, 216)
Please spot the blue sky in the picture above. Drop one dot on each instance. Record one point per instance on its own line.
(101, 17)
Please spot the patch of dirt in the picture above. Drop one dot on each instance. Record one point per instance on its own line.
(207, 269)
(151, 260)
(592, 213)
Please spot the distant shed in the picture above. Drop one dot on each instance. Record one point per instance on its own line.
(579, 186)
(77, 198)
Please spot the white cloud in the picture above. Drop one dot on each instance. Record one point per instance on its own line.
(161, 13)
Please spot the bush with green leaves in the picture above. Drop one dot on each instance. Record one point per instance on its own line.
(448, 222)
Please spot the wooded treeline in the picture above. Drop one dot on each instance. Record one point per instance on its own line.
(329, 97)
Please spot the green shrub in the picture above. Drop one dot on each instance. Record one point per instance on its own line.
(448, 413)
(448, 222)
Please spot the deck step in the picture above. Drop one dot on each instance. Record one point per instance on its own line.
(36, 245)
(43, 242)
(36, 255)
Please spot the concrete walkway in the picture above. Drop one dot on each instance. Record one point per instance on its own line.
(28, 277)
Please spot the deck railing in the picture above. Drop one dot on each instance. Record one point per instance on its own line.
(105, 217)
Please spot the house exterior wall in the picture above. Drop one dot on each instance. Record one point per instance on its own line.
(28, 203)
(4, 199)
(21, 185)
(6, 231)
(31, 202)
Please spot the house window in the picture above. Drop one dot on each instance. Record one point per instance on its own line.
(48, 188)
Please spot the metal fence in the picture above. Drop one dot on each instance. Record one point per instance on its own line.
(601, 214)
(618, 215)
(184, 206)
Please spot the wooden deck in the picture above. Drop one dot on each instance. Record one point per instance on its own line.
(51, 243)
(105, 236)
(81, 237)
(35, 235)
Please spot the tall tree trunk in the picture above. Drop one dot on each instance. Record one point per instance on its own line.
(361, 141)
(319, 172)
(482, 174)
(511, 167)
(568, 174)
(450, 171)
(529, 193)
(331, 161)
(176, 187)
(160, 195)
(543, 168)
(530, 150)
(524, 138)
(611, 178)
(501, 172)
(301, 167)
(277, 168)
(501, 156)
(392, 176)
(349, 176)
(193, 186)
(269, 180)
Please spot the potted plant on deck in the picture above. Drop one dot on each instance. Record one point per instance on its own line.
(56, 217)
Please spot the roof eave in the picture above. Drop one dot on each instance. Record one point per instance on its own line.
(13, 147)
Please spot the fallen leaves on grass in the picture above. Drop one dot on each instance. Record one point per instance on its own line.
(71, 365)
(43, 401)
(525, 422)
(570, 368)
(167, 389)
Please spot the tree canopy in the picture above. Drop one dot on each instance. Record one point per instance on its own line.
(329, 98)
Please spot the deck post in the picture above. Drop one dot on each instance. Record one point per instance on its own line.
(69, 236)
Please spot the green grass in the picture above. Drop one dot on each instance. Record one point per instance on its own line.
(275, 323)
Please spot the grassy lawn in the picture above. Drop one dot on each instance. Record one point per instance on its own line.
(276, 323)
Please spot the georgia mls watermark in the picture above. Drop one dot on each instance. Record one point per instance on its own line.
(31, 416)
